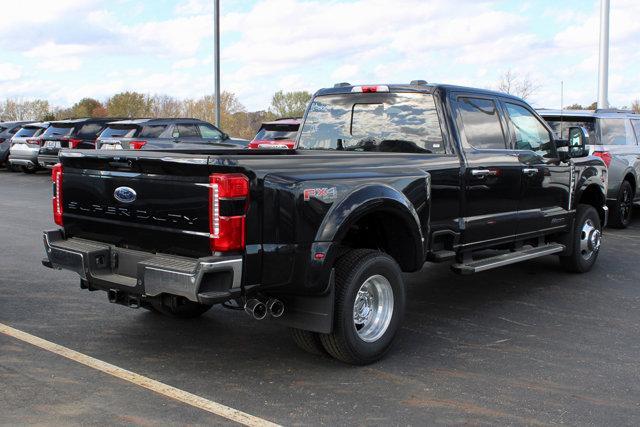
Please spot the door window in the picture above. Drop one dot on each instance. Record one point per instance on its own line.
(636, 128)
(481, 122)
(209, 132)
(529, 133)
(187, 131)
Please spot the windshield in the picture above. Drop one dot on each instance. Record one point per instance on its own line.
(389, 122)
(557, 125)
(119, 132)
(28, 132)
(277, 132)
(57, 131)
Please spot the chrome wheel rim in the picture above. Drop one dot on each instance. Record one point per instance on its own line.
(590, 239)
(373, 308)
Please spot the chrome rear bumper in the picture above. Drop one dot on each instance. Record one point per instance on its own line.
(107, 267)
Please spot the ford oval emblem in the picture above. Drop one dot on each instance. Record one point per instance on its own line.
(125, 195)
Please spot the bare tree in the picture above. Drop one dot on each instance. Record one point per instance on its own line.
(635, 106)
(20, 109)
(514, 84)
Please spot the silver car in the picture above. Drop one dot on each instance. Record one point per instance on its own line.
(25, 145)
(614, 135)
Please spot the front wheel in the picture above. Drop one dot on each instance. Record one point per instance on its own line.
(29, 169)
(370, 302)
(587, 237)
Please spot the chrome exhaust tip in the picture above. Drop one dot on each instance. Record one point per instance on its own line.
(255, 308)
(275, 307)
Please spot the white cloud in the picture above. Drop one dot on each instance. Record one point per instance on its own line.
(345, 72)
(10, 72)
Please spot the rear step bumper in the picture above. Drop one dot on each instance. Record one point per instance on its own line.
(107, 267)
(47, 160)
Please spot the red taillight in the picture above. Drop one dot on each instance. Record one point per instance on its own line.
(34, 141)
(604, 155)
(56, 177)
(137, 145)
(74, 142)
(228, 201)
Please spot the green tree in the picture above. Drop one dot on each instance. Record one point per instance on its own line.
(129, 104)
(86, 107)
(289, 104)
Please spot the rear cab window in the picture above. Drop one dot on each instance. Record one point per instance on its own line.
(382, 122)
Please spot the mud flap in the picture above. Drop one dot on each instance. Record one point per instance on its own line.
(310, 313)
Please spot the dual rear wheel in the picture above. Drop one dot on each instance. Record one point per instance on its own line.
(370, 301)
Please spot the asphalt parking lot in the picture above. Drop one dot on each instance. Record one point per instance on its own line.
(528, 344)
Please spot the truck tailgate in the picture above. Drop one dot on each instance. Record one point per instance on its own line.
(151, 204)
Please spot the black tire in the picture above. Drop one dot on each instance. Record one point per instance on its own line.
(577, 262)
(307, 341)
(29, 170)
(353, 269)
(179, 307)
(620, 215)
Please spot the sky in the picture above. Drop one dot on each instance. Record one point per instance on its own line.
(65, 50)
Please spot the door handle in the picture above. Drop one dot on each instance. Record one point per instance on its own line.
(530, 171)
(482, 173)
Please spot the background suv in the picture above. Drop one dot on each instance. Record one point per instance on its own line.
(7, 130)
(25, 146)
(280, 133)
(614, 136)
(75, 133)
(170, 134)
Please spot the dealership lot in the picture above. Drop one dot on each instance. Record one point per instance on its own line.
(524, 344)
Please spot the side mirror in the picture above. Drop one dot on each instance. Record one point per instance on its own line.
(578, 140)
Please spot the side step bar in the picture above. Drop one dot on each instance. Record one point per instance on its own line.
(506, 259)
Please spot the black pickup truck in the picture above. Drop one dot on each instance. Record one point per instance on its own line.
(383, 179)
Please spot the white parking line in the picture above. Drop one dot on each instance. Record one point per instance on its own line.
(139, 380)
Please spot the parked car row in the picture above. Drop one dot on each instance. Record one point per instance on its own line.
(614, 136)
(32, 146)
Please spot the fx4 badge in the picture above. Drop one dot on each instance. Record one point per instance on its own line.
(325, 194)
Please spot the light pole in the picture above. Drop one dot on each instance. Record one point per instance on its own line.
(603, 71)
(216, 54)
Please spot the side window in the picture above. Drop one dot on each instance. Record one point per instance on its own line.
(209, 132)
(187, 131)
(481, 123)
(529, 133)
(616, 132)
(636, 128)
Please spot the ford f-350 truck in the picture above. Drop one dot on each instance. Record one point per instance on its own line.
(383, 179)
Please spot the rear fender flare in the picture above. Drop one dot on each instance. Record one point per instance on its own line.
(369, 199)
